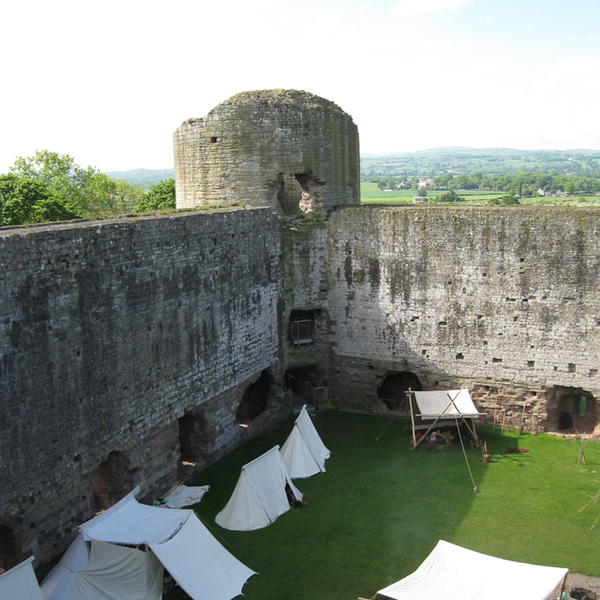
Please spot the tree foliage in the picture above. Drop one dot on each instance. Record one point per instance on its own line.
(161, 196)
(92, 194)
(24, 200)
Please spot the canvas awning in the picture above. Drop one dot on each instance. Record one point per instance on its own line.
(20, 582)
(304, 453)
(451, 572)
(446, 404)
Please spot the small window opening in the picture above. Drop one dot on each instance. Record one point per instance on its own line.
(213, 140)
(302, 328)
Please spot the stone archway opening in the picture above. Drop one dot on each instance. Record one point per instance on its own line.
(8, 549)
(111, 481)
(575, 410)
(393, 388)
(256, 398)
(194, 436)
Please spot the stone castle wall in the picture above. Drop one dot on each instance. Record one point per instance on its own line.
(505, 301)
(286, 149)
(109, 333)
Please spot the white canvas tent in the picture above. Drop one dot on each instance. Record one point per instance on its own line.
(99, 570)
(442, 405)
(20, 583)
(451, 572)
(303, 453)
(176, 540)
(259, 496)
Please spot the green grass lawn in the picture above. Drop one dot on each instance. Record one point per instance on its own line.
(380, 509)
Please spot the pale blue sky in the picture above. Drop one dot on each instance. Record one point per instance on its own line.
(108, 82)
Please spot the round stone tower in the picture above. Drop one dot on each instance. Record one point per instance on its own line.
(287, 149)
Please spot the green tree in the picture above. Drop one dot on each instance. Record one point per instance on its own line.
(60, 174)
(93, 195)
(24, 200)
(161, 196)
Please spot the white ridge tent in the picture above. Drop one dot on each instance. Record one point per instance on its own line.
(303, 453)
(19, 583)
(96, 568)
(259, 496)
(451, 572)
(442, 405)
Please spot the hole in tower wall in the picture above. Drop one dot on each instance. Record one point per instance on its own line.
(298, 193)
(393, 388)
(8, 549)
(255, 398)
(111, 481)
(289, 194)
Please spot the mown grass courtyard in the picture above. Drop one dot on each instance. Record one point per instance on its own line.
(379, 509)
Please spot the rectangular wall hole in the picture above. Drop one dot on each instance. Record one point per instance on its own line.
(496, 360)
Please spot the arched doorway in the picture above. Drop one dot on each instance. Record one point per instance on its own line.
(576, 410)
(255, 398)
(8, 549)
(112, 480)
(393, 388)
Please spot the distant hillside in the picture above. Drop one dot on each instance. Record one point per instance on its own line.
(144, 177)
(488, 161)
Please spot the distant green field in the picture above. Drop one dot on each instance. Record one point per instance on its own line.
(371, 194)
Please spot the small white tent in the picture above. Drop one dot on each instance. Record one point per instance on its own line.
(303, 453)
(20, 583)
(451, 572)
(176, 539)
(259, 496)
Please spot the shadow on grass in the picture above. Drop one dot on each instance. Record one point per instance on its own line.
(379, 509)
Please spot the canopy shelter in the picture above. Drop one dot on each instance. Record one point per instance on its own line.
(303, 453)
(260, 494)
(20, 582)
(451, 572)
(171, 539)
(441, 405)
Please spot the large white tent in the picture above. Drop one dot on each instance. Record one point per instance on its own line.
(304, 453)
(451, 572)
(104, 564)
(20, 583)
(260, 494)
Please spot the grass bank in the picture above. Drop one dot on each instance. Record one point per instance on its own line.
(379, 510)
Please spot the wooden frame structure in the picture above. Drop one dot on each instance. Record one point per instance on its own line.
(451, 403)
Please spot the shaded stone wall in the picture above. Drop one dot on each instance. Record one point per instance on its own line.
(287, 149)
(503, 300)
(109, 332)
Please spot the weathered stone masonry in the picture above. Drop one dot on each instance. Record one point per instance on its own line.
(109, 333)
(503, 301)
(133, 346)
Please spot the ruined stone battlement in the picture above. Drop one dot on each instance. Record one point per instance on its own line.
(286, 149)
